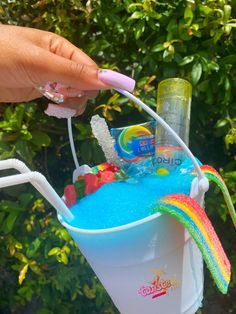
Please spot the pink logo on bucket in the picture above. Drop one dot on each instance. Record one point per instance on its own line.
(159, 286)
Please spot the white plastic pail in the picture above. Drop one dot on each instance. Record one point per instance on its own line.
(153, 265)
(147, 267)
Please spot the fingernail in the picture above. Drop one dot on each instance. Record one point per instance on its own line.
(117, 80)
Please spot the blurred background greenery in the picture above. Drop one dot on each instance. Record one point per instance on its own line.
(41, 269)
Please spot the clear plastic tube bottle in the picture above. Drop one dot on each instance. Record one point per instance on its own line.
(173, 105)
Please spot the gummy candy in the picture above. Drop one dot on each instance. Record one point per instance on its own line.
(70, 195)
(79, 188)
(107, 176)
(91, 183)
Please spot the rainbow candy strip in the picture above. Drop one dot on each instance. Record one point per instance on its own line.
(100, 167)
(213, 175)
(194, 218)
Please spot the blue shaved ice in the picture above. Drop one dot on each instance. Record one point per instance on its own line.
(122, 202)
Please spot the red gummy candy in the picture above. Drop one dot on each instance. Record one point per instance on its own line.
(107, 176)
(70, 195)
(112, 167)
(98, 174)
(91, 183)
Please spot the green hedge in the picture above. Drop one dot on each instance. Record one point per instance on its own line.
(41, 270)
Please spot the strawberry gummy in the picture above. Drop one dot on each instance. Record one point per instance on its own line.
(91, 183)
(70, 195)
(107, 176)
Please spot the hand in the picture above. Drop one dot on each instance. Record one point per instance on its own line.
(30, 58)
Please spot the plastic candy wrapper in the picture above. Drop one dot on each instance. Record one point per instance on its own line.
(135, 143)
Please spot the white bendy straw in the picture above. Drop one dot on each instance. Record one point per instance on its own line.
(37, 180)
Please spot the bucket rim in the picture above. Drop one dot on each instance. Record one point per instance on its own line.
(109, 230)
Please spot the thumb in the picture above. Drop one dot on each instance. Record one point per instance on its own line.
(80, 76)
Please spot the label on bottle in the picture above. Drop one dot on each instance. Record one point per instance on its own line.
(168, 158)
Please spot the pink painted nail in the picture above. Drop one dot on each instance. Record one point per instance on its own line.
(117, 80)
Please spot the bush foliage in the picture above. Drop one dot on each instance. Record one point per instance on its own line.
(41, 269)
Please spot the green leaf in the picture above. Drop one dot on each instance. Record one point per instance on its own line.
(221, 123)
(66, 249)
(231, 175)
(203, 86)
(62, 257)
(167, 55)
(7, 154)
(35, 268)
(54, 251)
(89, 293)
(23, 150)
(136, 15)
(158, 47)
(40, 139)
(79, 188)
(10, 221)
(8, 113)
(227, 12)
(231, 25)
(9, 206)
(188, 15)
(33, 248)
(26, 292)
(229, 59)
(25, 199)
(230, 138)
(63, 234)
(213, 66)
(139, 29)
(186, 60)
(205, 9)
(113, 99)
(4, 147)
(17, 118)
(154, 15)
(21, 257)
(134, 5)
(196, 72)
(22, 274)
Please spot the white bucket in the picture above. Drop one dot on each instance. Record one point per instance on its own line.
(152, 265)
(149, 266)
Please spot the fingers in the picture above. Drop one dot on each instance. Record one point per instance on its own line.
(62, 47)
(50, 42)
(50, 67)
(38, 57)
(18, 94)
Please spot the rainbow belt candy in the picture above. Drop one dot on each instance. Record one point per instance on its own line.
(194, 218)
(213, 175)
